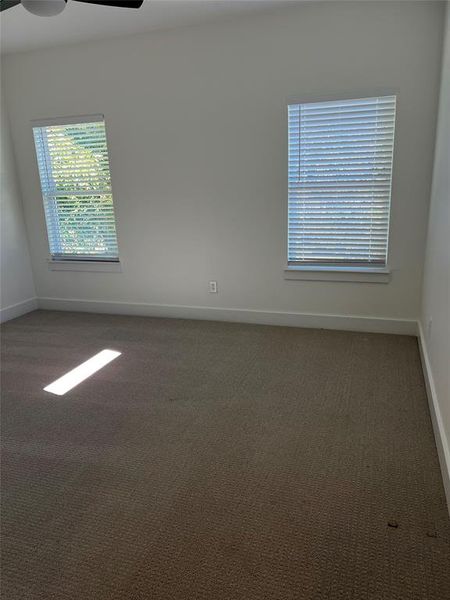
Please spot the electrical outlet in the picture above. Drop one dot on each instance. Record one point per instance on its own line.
(213, 287)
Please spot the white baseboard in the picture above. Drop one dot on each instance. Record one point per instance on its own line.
(442, 443)
(262, 317)
(17, 310)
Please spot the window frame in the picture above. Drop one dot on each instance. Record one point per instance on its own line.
(340, 272)
(80, 262)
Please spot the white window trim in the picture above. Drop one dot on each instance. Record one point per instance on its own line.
(74, 120)
(97, 266)
(351, 274)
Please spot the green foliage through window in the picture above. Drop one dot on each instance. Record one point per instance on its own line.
(76, 186)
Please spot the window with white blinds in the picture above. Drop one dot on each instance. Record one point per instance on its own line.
(73, 165)
(340, 171)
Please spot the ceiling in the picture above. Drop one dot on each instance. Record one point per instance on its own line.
(79, 22)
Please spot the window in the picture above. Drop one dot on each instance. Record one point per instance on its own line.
(340, 170)
(73, 166)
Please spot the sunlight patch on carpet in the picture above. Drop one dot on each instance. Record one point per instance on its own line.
(71, 379)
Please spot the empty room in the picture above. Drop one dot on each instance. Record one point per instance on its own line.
(225, 299)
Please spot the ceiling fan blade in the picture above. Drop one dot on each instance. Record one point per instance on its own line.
(5, 4)
(119, 3)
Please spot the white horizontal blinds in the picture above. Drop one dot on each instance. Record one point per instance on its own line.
(76, 187)
(340, 168)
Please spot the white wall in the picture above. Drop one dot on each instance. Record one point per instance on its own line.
(196, 122)
(436, 288)
(17, 288)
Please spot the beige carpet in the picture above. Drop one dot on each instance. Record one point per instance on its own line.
(216, 461)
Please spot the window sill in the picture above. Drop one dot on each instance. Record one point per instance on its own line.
(99, 266)
(351, 274)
